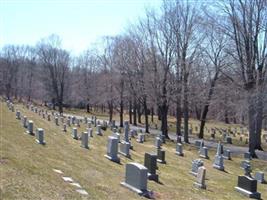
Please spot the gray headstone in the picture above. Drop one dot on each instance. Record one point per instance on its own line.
(158, 142)
(150, 163)
(204, 152)
(140, 138)
(195, 165)
(98, 131)
(18, 115)
(125, 149)
(116, 135)
(259, 176)
(64, 128)
(90, 132)
(74, 133)
(24, 121)
(84, 140)
(40, 136)
(201, 174)
(227, 155)
(136, 178)
(112, 149)
(179, 149)
(126, 131)
(30, 127)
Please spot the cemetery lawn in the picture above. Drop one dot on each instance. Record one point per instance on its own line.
(172, 126)
(26, 168)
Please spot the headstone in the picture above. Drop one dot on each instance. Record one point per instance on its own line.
(201, 174)
(116, 135)
(24, 121)
(68, 122)
(247, 156)
(136, 178)
(72, 120)
(95, 121)
(158, 142)
(248, 187)
(195, 165)
(151, 164)
(43, 115)
(229, 140)
(84, 140)
(64, 128)
(48, 117)
(89, 124)
(259, 176)
(85, 120)
(179, 149)
(227, 155)
(199, 143)
(204, 152)
(98, 131)
(244, 163)
(74, 133)
(218, 162)
(30, 127)
(179, 139)
(78, 123)
(125, 149)
(161, 156)
(18, 115)
(112, 149)
(90, 132)
(40, 136)
(126, 131)
(140, 138)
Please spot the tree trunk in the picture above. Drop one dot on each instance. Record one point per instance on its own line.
(139, 114)
(146, 116)
(178, 117)
(186, 111)
(252, 125)
(164, 121)
(259, 118)
(121, 113)
(110, 106)
(134, 112)
(130, 112)
(152, 114)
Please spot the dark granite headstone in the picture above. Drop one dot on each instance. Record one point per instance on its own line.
(161, 156)
(248, 187)
(151, 164)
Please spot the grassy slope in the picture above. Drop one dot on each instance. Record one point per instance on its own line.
(26, 167)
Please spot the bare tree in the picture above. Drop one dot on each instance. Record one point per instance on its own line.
(55, 62)
(246, 27)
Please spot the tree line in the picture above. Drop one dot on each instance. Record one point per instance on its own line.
(199, 60)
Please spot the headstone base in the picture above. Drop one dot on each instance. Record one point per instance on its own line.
(218, 167)
(255, 195)
(200, 186)
(126, 155)
(153, 177)
(117, 160)
(179, 154)
(29, 133)
(43, 142)
(138, 191)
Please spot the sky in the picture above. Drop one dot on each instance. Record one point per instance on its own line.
(79, 23)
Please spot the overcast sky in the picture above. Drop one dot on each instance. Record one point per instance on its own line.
(79, 23)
